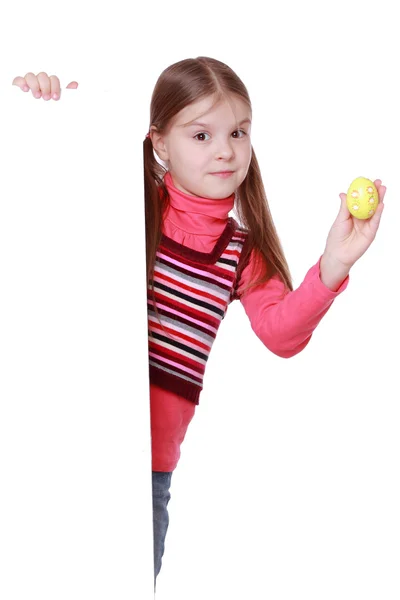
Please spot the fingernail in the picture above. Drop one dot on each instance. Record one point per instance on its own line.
(37, 94)
(55, 96)
(25, 88)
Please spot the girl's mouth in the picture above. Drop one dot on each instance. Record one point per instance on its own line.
(223, 174)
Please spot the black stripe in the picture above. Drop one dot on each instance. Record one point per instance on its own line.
(228, 261)
(163, 338)
(213, 270)
(201, 303)
(184, 321)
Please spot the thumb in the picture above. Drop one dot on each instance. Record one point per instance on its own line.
(72, 86)
(343, 211)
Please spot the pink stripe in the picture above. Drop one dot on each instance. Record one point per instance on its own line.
(184, 316)
(196, 286)
(215, 301)
(190, 308)
(191, 344)
(174, 364)
(180, 329)
(191, 269)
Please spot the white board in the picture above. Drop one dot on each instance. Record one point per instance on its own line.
(75, 501)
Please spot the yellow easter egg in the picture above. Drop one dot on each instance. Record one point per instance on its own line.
(362, 198)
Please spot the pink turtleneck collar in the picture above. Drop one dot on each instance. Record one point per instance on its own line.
(193, 216)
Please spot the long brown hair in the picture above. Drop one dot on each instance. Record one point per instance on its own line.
(179, 85)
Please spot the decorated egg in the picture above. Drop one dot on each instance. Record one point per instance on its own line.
(362, 198)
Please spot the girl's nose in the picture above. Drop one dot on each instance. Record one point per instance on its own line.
(224, 150)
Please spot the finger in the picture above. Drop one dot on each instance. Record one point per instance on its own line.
(55, 88)
(33, 84)
(376, 219)
(73, 85)
(343, 211)
(21, 83)
(45, 85)
(378, 185)
(381, 189)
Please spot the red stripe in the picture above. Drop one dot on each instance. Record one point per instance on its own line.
(232, 252)
(176, 356)
(182, 336)
(213, 269)
(188, 288)
(188, 311)
(164, 312)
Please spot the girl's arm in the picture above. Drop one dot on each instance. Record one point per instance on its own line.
(284, 321)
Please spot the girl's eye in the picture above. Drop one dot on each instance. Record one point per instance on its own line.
(239, 133)
(201, 136)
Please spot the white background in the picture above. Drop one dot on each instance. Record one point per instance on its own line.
(288, 482)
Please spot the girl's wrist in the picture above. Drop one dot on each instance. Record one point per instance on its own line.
(332, 272)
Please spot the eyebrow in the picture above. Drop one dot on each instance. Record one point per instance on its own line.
(205, 125)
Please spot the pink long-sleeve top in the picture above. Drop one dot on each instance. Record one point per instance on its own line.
(284, 325)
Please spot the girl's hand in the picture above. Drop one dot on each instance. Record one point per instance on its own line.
(42, 85)
(348, 240)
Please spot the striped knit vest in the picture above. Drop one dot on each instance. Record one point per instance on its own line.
(192, 291)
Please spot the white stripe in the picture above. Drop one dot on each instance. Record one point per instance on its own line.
(199, 287)
(201, 309)
(196, 359)
(176, 326)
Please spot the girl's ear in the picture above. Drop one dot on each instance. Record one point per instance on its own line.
(157, 139)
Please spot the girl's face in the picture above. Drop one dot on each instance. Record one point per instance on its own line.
(207, 147)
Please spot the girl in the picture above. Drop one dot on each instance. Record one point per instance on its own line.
(199, 165)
